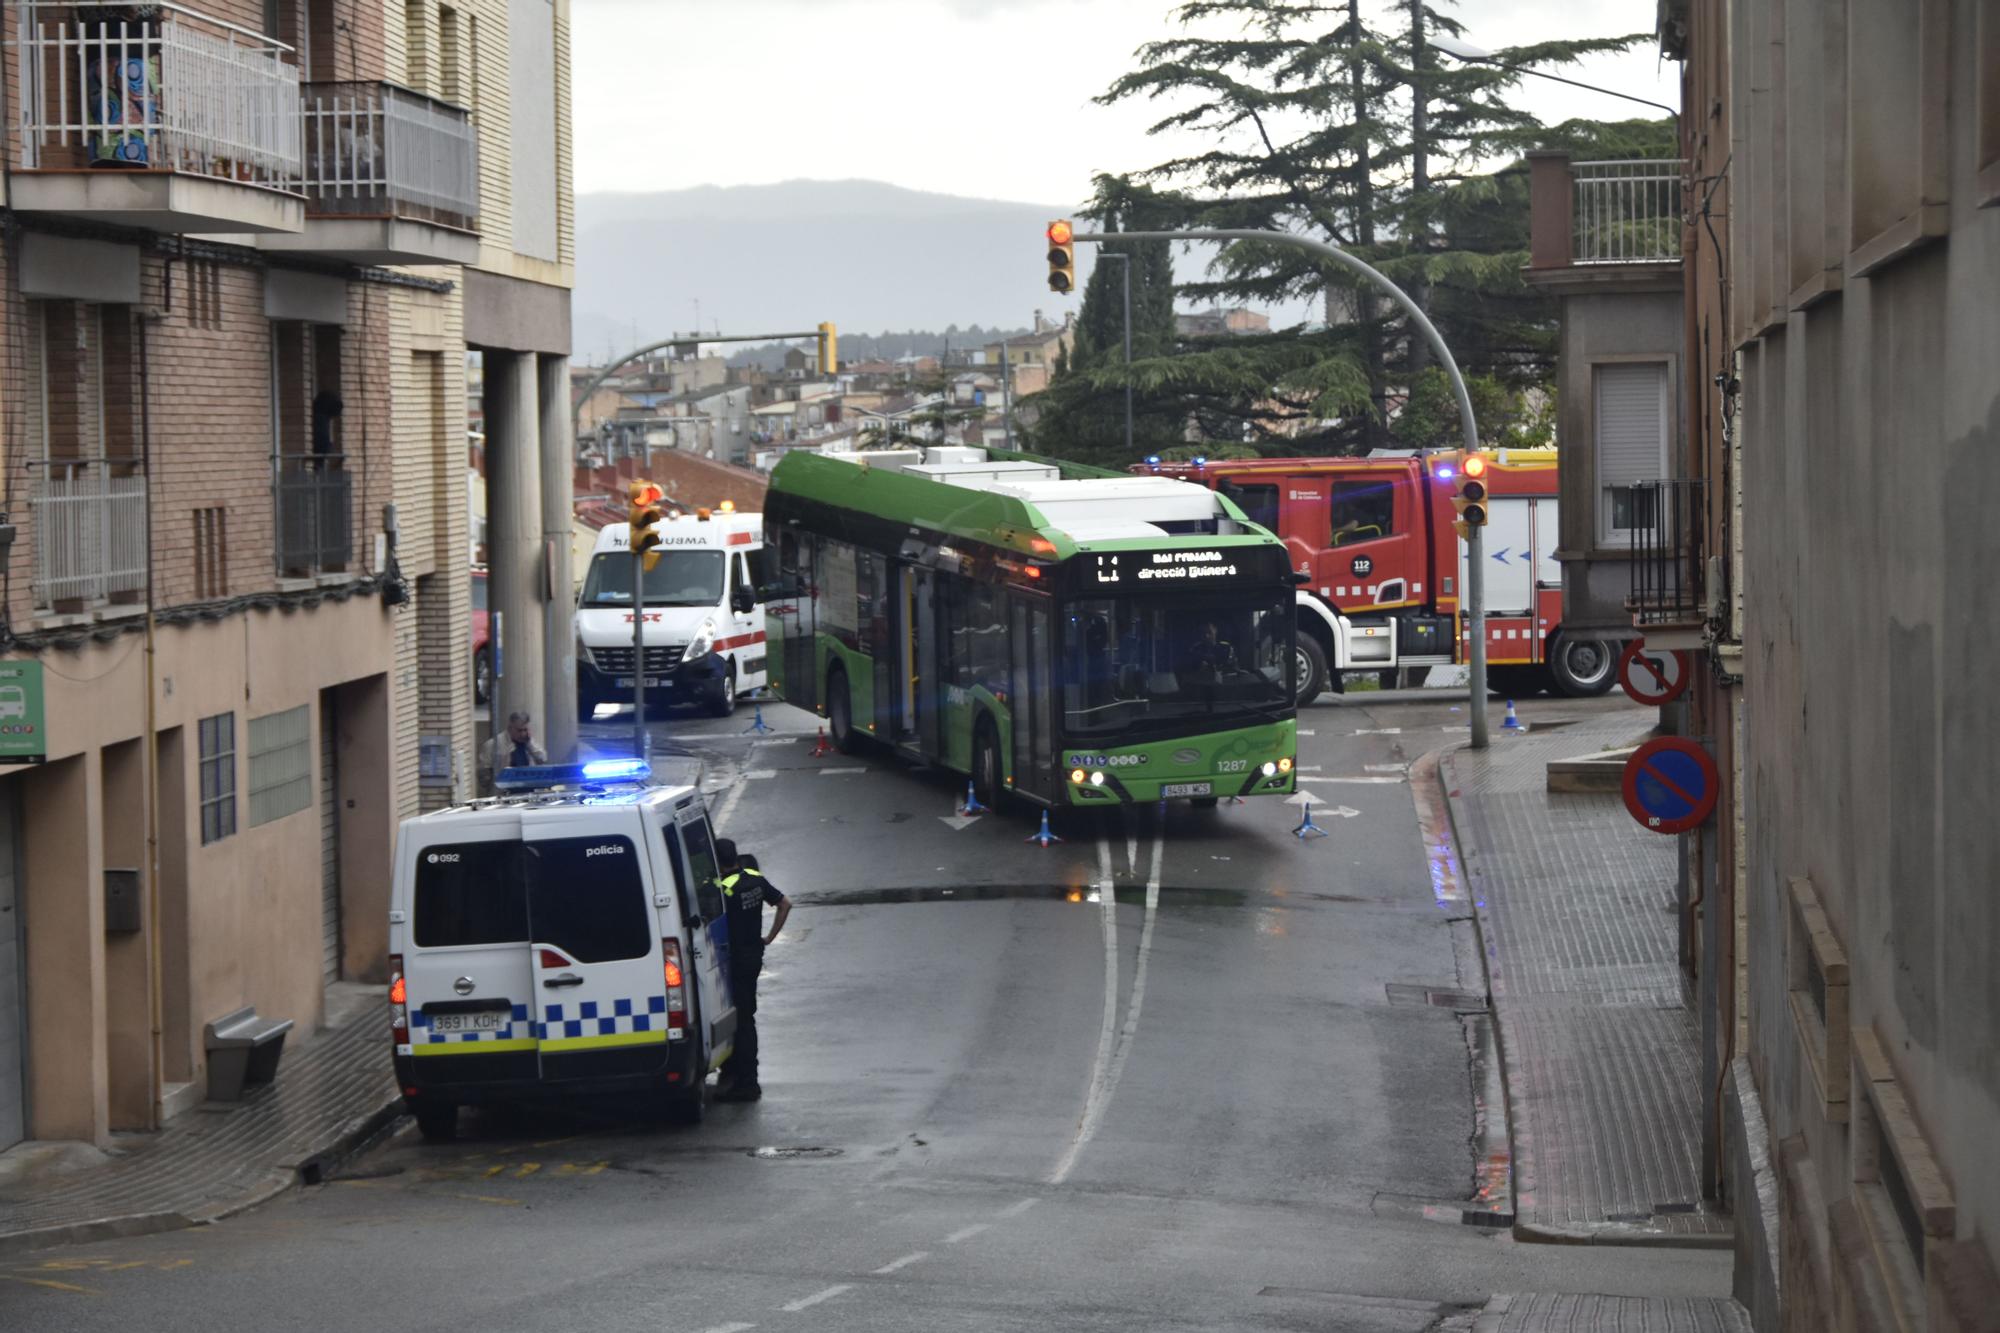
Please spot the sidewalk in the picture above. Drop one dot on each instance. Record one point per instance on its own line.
(1575, 905)
(332, 1093)
(1605, 1314)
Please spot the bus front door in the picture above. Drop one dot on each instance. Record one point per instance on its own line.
(924, 674)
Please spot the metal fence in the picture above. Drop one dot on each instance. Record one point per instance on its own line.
(1669, 528)
(315, 514)
(180, 92)
(89, 532)
(380, 150)
(1627, 212)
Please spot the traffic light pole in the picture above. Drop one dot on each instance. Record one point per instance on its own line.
(641, 747)
(1475, 573)
(1125, 270)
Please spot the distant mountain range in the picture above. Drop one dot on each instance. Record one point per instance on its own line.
(873, 258)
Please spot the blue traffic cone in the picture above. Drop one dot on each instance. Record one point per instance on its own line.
(757, 723)
(1512, 723)
(1044, 835)
(972, 805)
(1306, 828)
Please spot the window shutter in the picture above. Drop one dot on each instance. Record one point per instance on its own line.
(1631, 435)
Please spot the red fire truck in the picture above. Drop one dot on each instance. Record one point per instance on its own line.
(1383, 566)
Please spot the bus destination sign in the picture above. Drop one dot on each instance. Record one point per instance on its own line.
(1160, 566)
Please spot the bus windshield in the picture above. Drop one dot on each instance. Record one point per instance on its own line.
(682, 578)
(1130, 662)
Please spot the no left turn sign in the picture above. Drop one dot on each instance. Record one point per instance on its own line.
(1654, 676)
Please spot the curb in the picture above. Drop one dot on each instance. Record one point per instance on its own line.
(1538, 1233)
(343, 1140)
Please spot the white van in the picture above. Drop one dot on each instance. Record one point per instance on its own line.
(566, 938)
(704, 614)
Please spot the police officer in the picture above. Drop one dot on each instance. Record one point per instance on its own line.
(746, 891)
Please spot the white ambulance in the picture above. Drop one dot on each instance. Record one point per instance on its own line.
(705, 638)
(566, 939)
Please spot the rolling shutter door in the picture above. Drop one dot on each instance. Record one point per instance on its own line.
(1631, 430)
(329, 841)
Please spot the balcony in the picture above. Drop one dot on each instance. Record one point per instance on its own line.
(89, 519)
(391, 177)
(177, 123)
(315, 495)
(1668, 521)
(1598, 224)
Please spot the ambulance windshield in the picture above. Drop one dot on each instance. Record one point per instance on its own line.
(682, 578)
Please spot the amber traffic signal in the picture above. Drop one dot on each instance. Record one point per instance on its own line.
(1062, 256)
(1470, 497)
(646, 498)
(829, 351)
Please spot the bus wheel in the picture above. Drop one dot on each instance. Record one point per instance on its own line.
(1310, 666)
(723, 702)
(986, 764)
(1583, 668)
(840, 712)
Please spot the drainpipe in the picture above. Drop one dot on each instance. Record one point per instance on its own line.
(155, 988)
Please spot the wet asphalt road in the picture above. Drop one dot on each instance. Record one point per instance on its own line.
(1156, 1076)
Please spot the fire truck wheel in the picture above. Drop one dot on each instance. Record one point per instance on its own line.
(1583, 668)
(1310, 666)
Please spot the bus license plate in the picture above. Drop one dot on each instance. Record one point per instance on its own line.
(1188, 789)
(485, 1020)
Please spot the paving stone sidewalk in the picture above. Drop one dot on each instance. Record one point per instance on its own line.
(1576, 913)
(332, 1092)
(1566, 1313)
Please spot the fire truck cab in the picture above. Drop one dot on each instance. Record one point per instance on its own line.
(1381, 566)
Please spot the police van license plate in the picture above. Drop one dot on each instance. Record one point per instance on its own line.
(1188, 789)
(484, 1020)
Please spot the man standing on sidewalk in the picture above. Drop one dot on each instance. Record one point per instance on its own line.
(745, 890)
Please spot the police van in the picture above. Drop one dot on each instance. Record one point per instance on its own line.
(704, 610)
(565, 939)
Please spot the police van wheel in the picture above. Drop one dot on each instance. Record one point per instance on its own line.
(436, 1121)
(723, 702)
(686, 1106)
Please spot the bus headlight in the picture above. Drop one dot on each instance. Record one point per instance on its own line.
(1270, 769)
(702, 644)
(1097, 778)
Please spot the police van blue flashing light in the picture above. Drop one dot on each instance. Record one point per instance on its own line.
(530, 776)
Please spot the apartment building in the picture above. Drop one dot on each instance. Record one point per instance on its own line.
(246, 247)
(1842, 341)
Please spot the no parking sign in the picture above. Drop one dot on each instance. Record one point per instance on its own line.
(1670, 784)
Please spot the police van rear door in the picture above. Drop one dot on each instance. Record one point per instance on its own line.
(470, 994)
(599, 983)
(711, 941)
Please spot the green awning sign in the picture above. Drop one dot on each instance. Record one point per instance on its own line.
(24, 737)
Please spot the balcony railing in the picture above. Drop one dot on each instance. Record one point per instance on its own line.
(89, 533)
(1668, 521)
(315, 496)
(180, 92)
(377, 150)
(1627, 212)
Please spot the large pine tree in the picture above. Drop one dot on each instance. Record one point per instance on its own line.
(1336, 120)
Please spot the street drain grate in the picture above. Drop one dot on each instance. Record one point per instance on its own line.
(785, 1154)
(1403, 992)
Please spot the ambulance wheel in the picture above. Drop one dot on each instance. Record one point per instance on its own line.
(1583, 668)
(1309, 665)
(436, 1121)
(986, 765)
(723, 702)
(840, 711)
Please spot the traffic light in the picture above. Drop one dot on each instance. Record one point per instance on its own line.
(1062, 257)
(1470, 497)
(829, 358)
(646, 498)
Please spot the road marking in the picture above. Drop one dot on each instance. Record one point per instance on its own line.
(756, 773)
(1102, 1089)
(50, 1283)
(958, 823)
(1450, 727)
(1321, 777)
(1380, 731)
(967, 1233)
(1308, 768)
(1307, 731)
(776, 740)
(829, 772)
(1016, 1209)
(895, 1264)
(1107, 1032)
(1386, 768)
(728, 806)
(808, 1302)
(730, 1328)
(527, 1169)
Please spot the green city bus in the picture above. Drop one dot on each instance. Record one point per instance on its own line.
(1069, 636)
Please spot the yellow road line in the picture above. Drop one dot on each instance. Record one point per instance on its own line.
(50, 1283)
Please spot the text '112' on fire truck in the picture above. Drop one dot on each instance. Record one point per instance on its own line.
(1382, 566)
(704, 607)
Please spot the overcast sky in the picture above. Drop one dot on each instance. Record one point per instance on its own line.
(989, 98)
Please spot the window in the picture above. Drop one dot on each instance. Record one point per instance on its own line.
(1131, 662)
(701, 860)
(1362, 511)
(451, 57)
(211, 553)
(218, 777)
(1258, 503)
(587, 898)
(1631, 435)
(1816, 968)
(1898, 185)
(470, 893)
(416, 39)
(682, 578)
(1900, 1194)
(280, 765)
